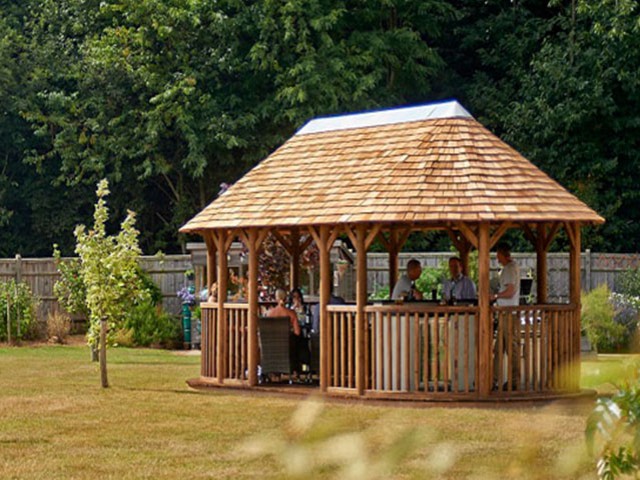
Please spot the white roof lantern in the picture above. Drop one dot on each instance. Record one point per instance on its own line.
(447, 109)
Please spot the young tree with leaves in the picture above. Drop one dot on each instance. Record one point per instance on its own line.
(109, 269)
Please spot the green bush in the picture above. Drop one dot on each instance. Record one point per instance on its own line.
(629, 282)
(70, 289)
(153, 290)
(381, 293)
(431, 278)
(22, 311)
(149, 325)
(613, 431)
(626, 313)
(598, 320)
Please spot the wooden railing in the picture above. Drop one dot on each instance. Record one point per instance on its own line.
(235, 341)
(341, 345)
(407, 348)
(424, 349)
(209, 332)
(421, 348)
(237, 317)
(536, 348)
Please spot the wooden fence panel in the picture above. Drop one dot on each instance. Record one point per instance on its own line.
(168, 273)
(40, 274)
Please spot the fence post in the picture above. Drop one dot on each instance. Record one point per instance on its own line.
(587, 268)
(18, 268)
(8, 317)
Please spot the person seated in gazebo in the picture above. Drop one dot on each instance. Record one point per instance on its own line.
(280, 310)
(296, 303)
(405, 288)
(458, 286)
(297, 342)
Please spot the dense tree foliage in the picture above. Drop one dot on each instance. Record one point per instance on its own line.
(168, 99)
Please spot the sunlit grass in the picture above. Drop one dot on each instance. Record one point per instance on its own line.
(606, 371)
(56, 422)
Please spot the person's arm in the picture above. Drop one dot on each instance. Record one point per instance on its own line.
(294, 322)
(471, 289)
(446, 290)
(510, 276)
(508, 292)
(397, 290)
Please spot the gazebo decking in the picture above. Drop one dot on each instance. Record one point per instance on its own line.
(383, 175)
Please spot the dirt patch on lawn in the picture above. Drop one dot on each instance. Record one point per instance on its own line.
(74, 340)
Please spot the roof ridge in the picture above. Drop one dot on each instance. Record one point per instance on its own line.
(429, 111)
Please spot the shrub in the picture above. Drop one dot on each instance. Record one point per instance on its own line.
(598, 320)
(381, 293)
(149, 325)
(70, 289)
(22, 308)
(431, 278)
(626, 313)
(123, 337)
(613, 430)
(629, 282)
(154, 292)
(58, 327)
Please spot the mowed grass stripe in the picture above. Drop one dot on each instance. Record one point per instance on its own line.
(56, 422)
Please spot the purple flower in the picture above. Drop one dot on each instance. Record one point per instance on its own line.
(186, 296)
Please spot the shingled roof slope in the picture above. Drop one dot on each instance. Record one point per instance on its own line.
(441, 165)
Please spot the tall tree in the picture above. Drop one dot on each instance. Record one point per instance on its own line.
(578, 118)
(168, 99)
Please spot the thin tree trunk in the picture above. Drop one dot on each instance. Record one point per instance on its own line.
(94, 352)
(103, 353)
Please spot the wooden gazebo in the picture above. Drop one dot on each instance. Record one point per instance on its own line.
(384, 175)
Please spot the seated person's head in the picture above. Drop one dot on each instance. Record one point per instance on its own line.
(455, 267)
(281, 295)
(296, 297)
(414, 269)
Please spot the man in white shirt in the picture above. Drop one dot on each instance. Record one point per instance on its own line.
(509, 291)
(405, 287)
(508, 295)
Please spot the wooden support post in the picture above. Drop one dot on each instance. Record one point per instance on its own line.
(393, 245)
(485, 323)
(575, 275)
(574, 266)
(326, 277)
(463, 246)
(464, 251)
(221, 347)
(294, 265)
(211, 262)
(361, 302)
(541, 264)
(252, 326)
(393, 267)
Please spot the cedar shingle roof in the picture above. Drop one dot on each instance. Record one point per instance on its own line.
(432, 163)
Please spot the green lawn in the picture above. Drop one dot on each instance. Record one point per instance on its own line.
(56, 422)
